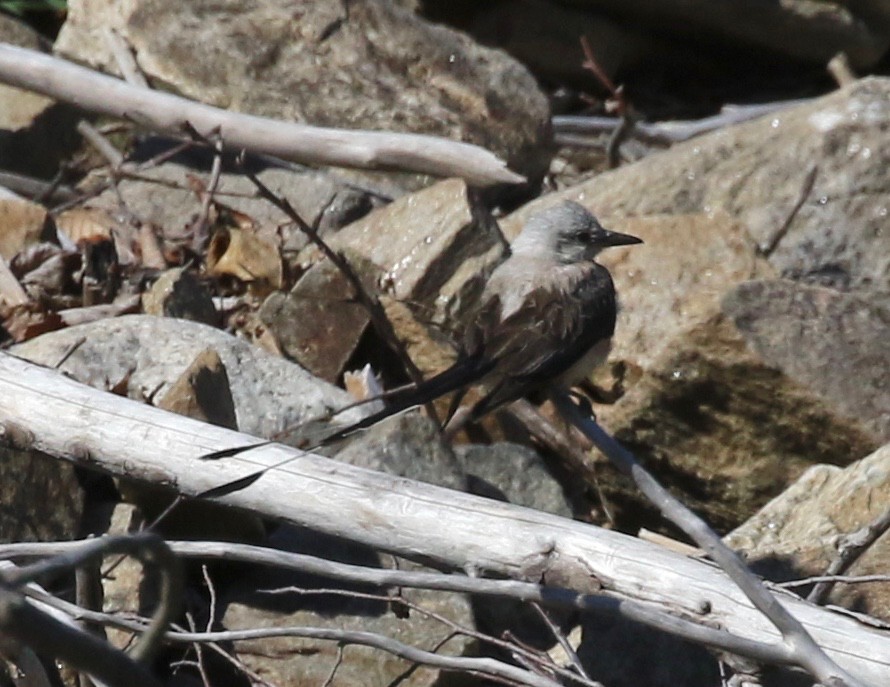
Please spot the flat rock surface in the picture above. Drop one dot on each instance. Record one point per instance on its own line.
(837, 344)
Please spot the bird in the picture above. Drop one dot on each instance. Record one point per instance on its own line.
(546, 317)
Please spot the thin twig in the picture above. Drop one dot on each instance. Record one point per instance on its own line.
(102, 145)
(200, 229)
(148, 548)
(850, 549)
(576, 129)
(617, 103)
(337, 661)
(124, 58)
(37, 189)
(562, 640)
(805, 189)
(833, 579)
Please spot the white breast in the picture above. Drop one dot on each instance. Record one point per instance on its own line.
(587, 363)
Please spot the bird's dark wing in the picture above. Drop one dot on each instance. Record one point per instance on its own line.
(512, 356)
(544, 337)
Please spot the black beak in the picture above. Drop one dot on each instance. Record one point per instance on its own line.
(614, 238)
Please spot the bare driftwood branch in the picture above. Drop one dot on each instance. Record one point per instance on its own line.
(22, 185)
(148, 548)
(571, 129)
(805, 650)
(42, 409)
(25, 622)
(554, 597)
(165, 112)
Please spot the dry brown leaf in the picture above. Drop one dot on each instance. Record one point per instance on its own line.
(22, 223)
(241, 254)
(33, 257)
(30, 320)
(85, 224)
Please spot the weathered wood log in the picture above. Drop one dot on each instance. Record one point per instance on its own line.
(41, 409)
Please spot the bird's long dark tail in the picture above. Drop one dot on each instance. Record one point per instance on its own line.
(464, 371)
(456, 376)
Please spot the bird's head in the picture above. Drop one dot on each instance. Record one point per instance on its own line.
(568, 233)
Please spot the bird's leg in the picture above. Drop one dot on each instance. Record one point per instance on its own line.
(582, 401)
(456, 422)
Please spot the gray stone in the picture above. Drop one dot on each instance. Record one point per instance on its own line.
(514, 473)
(406, 445)
(151, 353)
(179, 293)
(835, 344)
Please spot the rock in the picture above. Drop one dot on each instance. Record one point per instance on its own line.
(759, 171)
(179, 293)
(675, 279)
(799, 29)
(319, 323)
(374, 66)
(431, 251)
(147, 354)
(513, 473)
(796, 534)
(202, 392)
(406, 445)
(722, 428)
(835, 344)
(35, 132)
(42, 499)
(434, 248)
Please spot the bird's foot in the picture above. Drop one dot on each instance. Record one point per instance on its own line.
(583, 403)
